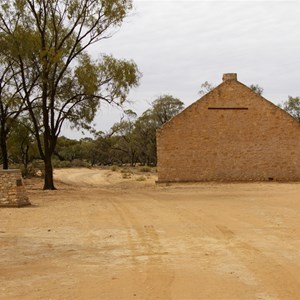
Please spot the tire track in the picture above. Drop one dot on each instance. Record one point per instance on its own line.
(146, 253)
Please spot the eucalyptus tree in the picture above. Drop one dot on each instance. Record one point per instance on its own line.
(206, 87)
(11, 106)
(161, 111)
(145, 134)
(124, 140)
(292, 106)
(166, 107)
(256, 89)
(50, 38)
(21, 144)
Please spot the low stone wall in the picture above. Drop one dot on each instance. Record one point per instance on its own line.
(12, 189)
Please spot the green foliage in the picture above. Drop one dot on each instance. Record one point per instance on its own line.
(165, 108)
(256, 89)
(145, 169)
(134, 139)
(116, 10)
(114, 168)
(130, 141)
(21, 144)
(11, 106)
(126, 170)
(46, 42)
(292, 106)
(57, 164)
(206, 87)
(121, 76)
(126, 175)
(124, 137)
(86, 75)
(145, 134)
(141, 178)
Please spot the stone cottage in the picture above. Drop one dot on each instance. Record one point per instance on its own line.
(230, 134)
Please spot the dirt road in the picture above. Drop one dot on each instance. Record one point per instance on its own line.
(101, 236)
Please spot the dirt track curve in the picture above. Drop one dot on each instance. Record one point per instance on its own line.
(104, 237)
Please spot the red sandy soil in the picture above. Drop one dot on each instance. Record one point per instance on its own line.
(103, 236)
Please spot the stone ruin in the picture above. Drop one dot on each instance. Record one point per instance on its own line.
(12, 189)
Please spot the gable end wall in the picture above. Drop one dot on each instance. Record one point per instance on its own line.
(231, 134)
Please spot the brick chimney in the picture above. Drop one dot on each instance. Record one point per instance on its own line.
(229, 76)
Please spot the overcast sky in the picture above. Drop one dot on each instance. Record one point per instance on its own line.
(178, 45)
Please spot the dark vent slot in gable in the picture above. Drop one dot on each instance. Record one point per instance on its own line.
(229, 108)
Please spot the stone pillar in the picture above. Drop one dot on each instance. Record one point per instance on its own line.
(12, 190)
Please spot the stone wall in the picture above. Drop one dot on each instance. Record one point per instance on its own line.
(12, 190)
(230, 134)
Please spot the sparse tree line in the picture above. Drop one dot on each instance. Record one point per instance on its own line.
(132, 140)
(48, 78)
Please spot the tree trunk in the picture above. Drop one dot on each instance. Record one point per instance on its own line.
(4, 149)
(48, 181)
(48, 152)
(132, 158)
(26, 160)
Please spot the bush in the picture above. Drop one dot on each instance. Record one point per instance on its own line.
(31, 171)
(38, 164)
(76, 163)
(126, 170)
(145, 169)
(80, 163)
(61, 164)
(126, 175)
(141, 178)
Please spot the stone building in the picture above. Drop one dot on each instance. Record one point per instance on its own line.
(12, 190)
(230, 134)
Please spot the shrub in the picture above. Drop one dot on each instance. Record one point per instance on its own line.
(31, 171)
(61, 164)
(80, 163)
(126, 170)
(141, 178)
(145, 169)
(126, 176)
